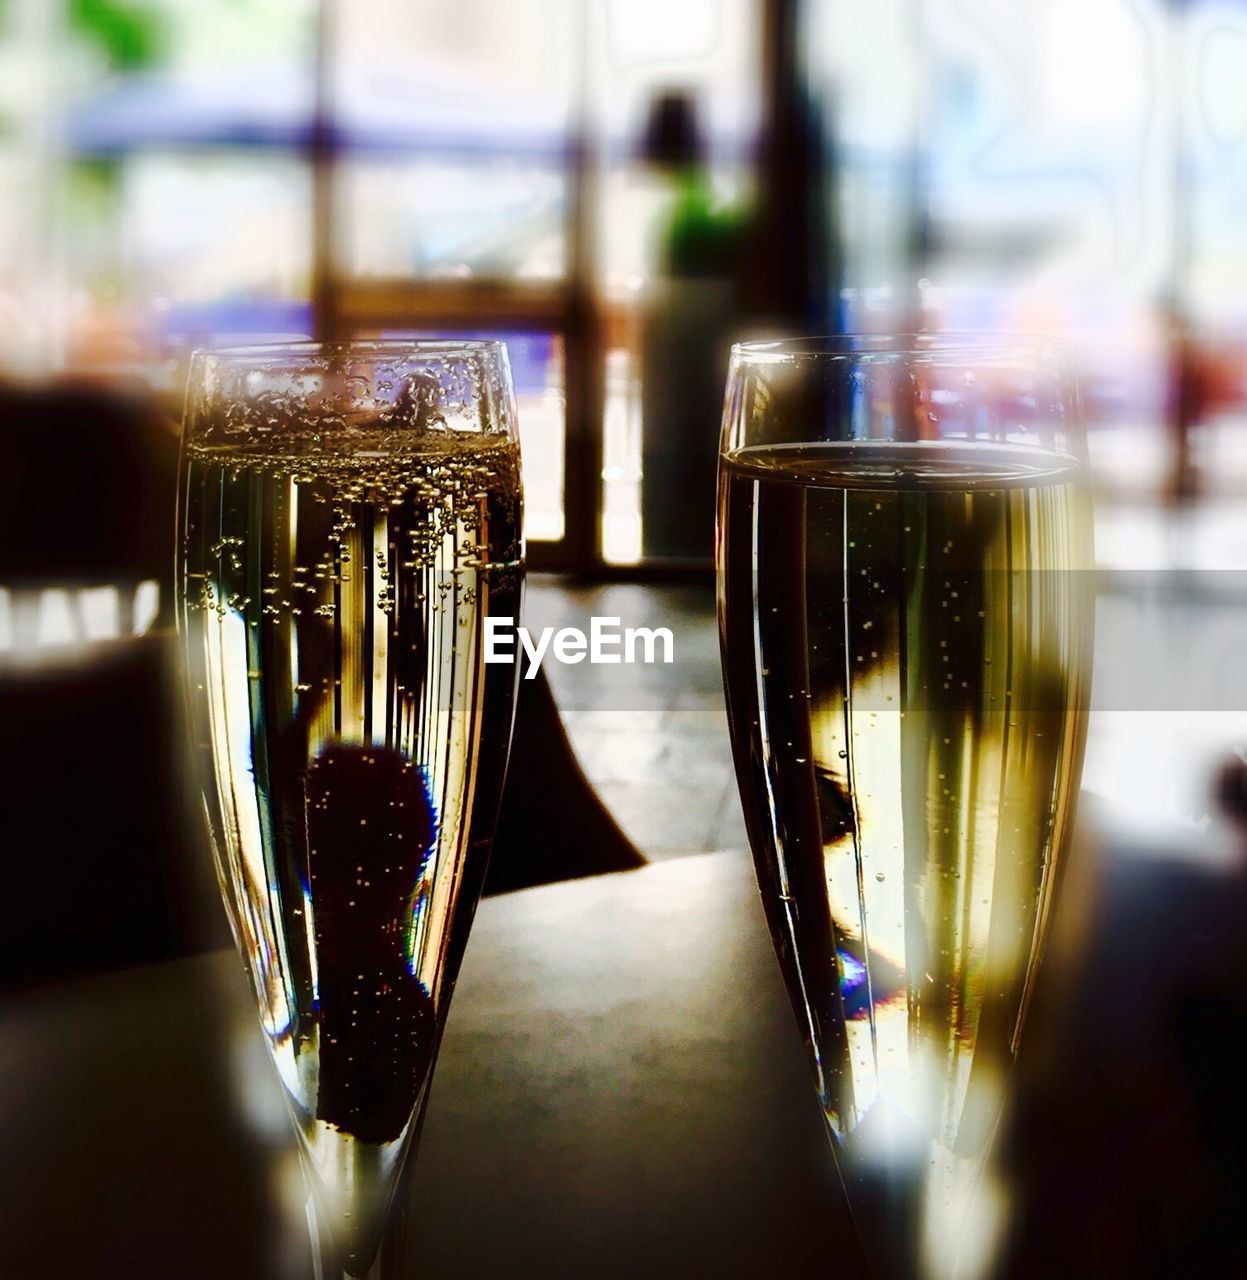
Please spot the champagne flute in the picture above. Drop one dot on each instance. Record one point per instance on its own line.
(905, 632)
(349, 517)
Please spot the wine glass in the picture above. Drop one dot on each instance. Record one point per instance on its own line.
(349, 517)
(905, 631)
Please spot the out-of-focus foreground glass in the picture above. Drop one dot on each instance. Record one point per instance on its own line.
(905, 628)
(350, 516)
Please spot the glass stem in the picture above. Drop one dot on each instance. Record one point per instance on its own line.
(389, 1262)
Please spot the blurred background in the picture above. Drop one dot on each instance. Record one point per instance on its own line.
(620, 188)
(583, 178)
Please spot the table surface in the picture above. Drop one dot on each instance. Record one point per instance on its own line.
(621, 1091)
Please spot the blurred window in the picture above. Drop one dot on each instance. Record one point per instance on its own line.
(496, 165)
(1069, 165)
(453, 129)
(476, 168)
(454, 123)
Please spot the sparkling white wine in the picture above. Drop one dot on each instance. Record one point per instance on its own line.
(904, 631)
(354, 741)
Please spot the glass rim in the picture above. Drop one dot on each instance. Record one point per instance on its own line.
(313, 348)
(900, 346)
(341, 383)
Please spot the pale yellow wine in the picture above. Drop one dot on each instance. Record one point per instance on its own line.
(905, 631)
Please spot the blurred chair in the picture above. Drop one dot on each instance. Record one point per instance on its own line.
(91, 748)
(88, 481)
